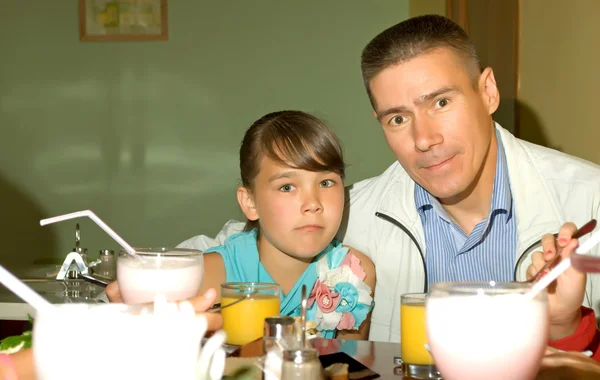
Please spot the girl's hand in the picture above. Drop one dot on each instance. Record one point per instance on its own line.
(113, 293)
(201, 303)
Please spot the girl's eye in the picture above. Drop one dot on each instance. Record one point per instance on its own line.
(327, 183)
(286, 188)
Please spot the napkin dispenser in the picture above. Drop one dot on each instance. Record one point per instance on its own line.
(76, 265)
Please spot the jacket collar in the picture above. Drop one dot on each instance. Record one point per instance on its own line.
(398, 202)
(536, 209)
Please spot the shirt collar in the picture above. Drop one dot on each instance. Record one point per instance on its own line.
(501, 195)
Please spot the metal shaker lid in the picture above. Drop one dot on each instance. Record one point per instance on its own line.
(279, 326)
(107, 252)
(300, 356)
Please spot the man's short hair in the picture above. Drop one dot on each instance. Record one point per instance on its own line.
(414, 37)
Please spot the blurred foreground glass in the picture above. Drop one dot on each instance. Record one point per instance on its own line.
(244, 322)
(174, 272)
(117, 341)
(417, 362)
(486, 330)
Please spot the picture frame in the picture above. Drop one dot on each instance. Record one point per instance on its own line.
(123, 20)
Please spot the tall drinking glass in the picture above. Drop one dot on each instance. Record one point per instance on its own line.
(486, 330)
(417, 362)
(174, 272)
(244, 322)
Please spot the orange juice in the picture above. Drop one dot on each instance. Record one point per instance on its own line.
(413, 334)
(245, 321)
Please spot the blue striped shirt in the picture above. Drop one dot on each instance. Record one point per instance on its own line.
(488, 253)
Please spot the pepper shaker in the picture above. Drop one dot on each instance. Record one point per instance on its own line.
(301, 364)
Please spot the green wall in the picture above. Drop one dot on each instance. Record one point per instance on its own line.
(146, 134)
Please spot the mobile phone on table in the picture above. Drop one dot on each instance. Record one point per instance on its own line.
(356, 370)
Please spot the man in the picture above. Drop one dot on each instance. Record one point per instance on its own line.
(466, 201)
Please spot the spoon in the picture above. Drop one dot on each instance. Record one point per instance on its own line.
(584, 230)
(217, 307)
(303, 304)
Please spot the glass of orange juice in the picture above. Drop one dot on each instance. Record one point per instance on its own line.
(417, 362)
(244, 322)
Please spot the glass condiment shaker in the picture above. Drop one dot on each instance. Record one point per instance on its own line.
(107, 267)
(279, 335)
(301, 364)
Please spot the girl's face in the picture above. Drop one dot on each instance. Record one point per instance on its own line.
(299, 211)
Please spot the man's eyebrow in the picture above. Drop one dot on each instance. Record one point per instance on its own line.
(421, 99)
(381, 114)
(432, 95)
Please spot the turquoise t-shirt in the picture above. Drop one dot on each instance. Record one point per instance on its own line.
(242, 264)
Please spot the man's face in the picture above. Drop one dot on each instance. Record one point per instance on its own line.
(436, 122)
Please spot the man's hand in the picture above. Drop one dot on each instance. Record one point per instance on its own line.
(565, 295)
(568, 365)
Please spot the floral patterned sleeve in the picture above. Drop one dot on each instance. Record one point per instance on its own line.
(339, 299)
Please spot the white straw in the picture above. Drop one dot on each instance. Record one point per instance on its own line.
(547, 279)
(23, 291)
(563, 266)
(97, 220)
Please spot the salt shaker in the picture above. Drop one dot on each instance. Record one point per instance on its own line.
(107, 266)
(301, 364)
(278, 335)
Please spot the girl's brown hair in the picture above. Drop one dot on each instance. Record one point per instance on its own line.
(290, 138)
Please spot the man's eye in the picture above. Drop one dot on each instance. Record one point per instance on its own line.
(397, 120)
(442, 103)
(286, 188)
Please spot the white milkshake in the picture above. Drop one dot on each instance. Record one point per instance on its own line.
(487, 336)
(177, 277)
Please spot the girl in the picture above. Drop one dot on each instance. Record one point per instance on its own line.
(292, 194)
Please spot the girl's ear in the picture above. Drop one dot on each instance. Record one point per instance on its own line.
(246, 201)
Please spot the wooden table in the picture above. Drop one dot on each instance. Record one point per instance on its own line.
(378, 356)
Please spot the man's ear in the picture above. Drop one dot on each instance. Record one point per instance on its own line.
(246, 201)
(489, 90)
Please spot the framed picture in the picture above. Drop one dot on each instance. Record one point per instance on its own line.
(123, 20)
